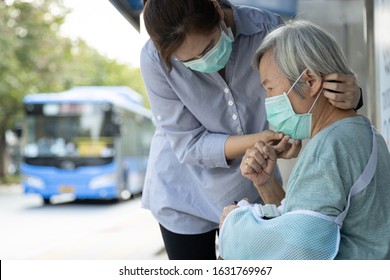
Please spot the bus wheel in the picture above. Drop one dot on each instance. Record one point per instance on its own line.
(125, 195)
(46, 201)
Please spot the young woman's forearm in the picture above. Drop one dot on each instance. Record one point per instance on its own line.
(236, 145)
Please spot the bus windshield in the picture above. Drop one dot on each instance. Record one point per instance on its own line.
(66, 130)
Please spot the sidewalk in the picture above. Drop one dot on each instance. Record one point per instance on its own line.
(12, 188)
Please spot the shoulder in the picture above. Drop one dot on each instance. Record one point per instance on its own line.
(340, 150)
(329, 165)
(250, 20)
(151, 62)
(344, 137)
(149, 53)
(260, 16)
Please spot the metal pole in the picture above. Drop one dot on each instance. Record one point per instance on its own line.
(370, 95)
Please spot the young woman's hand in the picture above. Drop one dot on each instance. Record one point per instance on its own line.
(342, 90)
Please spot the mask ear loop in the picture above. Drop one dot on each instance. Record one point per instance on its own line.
(222, 23)
(218, 8)
(296, 81)
(315, 101)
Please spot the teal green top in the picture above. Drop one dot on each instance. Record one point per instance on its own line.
(323, 176)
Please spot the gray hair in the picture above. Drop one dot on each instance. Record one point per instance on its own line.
(301, 45)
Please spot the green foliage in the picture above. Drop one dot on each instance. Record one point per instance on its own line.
(35, 58)
(97, 70)
(10, 179)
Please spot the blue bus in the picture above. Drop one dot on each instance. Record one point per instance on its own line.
(86, 143)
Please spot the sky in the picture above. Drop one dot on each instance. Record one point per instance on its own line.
(104, 28)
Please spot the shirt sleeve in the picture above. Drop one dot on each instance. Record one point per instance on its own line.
(320, 185)
(190, 140)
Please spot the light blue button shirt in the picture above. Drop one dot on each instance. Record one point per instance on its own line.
(188, 180)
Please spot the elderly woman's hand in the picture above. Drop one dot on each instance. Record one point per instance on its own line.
(342, 90)
(225, 212)
(258, 163)
(286, 150)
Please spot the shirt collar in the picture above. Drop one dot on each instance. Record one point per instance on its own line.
(244, 24)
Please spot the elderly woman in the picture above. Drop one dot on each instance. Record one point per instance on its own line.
(336, 202)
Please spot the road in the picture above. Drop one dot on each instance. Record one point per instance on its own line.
(76, 230)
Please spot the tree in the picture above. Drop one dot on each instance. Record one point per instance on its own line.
(35, 58)
(28, 30)
(95, 69)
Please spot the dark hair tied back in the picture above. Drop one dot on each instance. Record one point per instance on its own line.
(169, 21)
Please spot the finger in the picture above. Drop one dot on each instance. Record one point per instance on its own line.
(345, 90)
(293, 152)
(259, 157)
(270, 136)
(226, 210)
(283, 144)
(251, 152)
(271, 162)
(247, 170)
(270, 152)
(229, 208)
(281, 154)
(339, 104)
(260, 163)
(337, 77)
(335, 87)
(254, 158)
(256, 163)
(345, 84)
(248, 153)
(334, 96)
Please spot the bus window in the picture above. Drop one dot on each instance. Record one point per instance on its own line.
(88, 141)
(76, 130)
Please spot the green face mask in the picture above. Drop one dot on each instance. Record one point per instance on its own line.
(281, 115)
(216, 58)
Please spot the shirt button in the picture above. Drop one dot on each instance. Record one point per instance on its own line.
(234, 117)
(226, 90)
(159, 117)
(230, 103)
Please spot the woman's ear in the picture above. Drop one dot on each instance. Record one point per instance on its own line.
(313, 82)
(218, 8)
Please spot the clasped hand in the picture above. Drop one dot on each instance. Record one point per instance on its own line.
(259, 162)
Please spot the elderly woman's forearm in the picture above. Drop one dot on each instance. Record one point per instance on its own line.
(271, 192)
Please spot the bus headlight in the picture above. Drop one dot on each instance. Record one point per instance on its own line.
(102, 181)
(34, 182)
